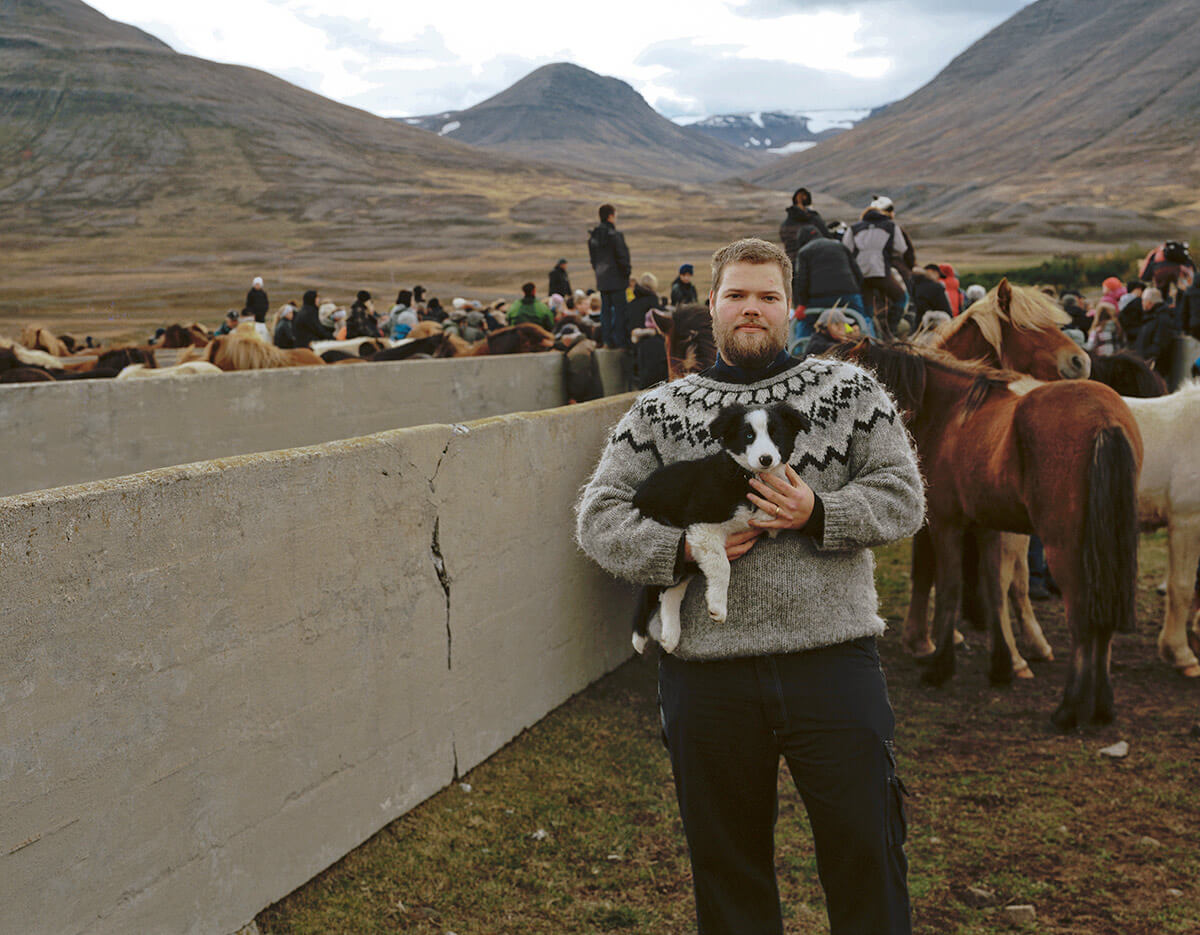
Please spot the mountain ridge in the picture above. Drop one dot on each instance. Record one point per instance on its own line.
(565, 113)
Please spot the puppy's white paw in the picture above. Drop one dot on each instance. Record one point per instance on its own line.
(718, 612)
(639, 643)
(670, 637)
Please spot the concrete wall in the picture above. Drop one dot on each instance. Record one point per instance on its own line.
(69, 433)
(218, 679)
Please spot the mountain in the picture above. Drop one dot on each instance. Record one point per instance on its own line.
(1072, 118)
(567, 114)
(98, 118)
(777, 132)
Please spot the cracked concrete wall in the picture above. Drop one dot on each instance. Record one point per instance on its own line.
(220, 678)
(71, 433)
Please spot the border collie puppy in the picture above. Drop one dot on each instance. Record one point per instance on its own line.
(707, 498)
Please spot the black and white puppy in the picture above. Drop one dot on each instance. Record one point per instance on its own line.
(707, 498)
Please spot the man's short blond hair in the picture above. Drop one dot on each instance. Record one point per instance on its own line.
(752, 250)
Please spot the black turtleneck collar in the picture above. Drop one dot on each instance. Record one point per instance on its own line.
(728, 373)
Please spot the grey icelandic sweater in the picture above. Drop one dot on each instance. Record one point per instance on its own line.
(793, 592)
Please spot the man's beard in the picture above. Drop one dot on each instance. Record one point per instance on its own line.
(750, 350)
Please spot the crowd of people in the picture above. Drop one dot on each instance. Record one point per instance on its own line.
(848, 279)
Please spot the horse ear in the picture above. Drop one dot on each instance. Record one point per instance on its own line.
(728, 415)
(662, 321)
(1004, 295)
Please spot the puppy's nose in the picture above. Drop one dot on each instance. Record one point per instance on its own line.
(765, 460)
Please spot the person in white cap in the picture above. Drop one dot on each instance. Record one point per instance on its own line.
(257, 302)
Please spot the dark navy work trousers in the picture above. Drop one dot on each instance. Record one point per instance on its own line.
(826, 712)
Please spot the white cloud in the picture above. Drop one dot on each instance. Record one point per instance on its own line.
(409, 58)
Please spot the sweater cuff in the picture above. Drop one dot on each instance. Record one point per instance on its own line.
(838, 526)
(815, 526)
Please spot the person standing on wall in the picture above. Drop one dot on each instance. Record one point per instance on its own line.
(801, 222)
(611, 263)
(560, 283)
(794, 672)
(257, 301)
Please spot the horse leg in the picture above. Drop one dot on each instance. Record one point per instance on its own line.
(916, 625)
(1018, 565)
(947, 556)
(1183, 545)
(1008, 575)
(991, 599)
(1079, 674)
(974, 610)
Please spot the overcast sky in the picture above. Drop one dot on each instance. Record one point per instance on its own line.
(716, 56)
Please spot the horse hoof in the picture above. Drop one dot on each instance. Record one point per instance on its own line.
(1023, 673)
(959, 639)
(935, 677)
(920, 648)
(1191, 671)
(1063, 719)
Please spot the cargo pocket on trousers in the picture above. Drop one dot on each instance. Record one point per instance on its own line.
(897, 792)
(897, 814)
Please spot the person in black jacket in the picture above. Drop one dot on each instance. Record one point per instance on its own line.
(825, 275)
(560, 284)
(1160, 327)
(1189, 310)
(307, 325)
(801, 223)
(285, 335)
(928, 295)
(257, 301)
(682, 290)
(363, 322)
(610, 260)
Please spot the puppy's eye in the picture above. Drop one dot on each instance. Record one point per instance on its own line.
(748, 434)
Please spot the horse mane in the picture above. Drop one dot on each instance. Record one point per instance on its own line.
(38, 338)
(1128, 374)
(1027, 309)
(903, 368)
(243, 349)
(688, 332)
(31, 357)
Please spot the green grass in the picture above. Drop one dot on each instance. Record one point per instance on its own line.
(999, 801)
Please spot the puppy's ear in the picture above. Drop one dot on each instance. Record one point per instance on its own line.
(793, 418)
(729, 416)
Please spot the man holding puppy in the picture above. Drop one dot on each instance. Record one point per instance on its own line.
(794, 671)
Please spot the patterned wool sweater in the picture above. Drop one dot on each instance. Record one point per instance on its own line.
(793, 592)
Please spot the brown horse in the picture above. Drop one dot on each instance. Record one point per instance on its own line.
(1016, 329)
(688, 334)
(1002, 452)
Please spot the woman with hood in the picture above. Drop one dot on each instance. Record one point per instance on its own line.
(954, 291)
(362, 322)
(285, 335)
(307, 323)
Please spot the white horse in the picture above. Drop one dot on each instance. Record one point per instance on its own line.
(190, 368)
(1168, 495)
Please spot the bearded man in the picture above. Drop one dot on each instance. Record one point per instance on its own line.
(794, 671)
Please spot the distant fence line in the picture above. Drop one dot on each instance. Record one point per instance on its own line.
(69, 433)
(220, 678)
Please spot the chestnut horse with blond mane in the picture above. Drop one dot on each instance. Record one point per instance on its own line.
(1000, 452)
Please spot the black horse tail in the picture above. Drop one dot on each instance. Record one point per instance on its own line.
(1110, 553)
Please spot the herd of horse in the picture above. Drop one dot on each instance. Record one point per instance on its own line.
(1015, 440)
(1019, 432)
(41, 356)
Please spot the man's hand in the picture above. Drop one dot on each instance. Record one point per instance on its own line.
(788, 499)
(736, 545)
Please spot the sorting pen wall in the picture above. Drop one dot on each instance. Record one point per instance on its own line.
(219, 678)
(72, 432)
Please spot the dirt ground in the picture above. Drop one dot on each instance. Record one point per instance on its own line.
(573, 826)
